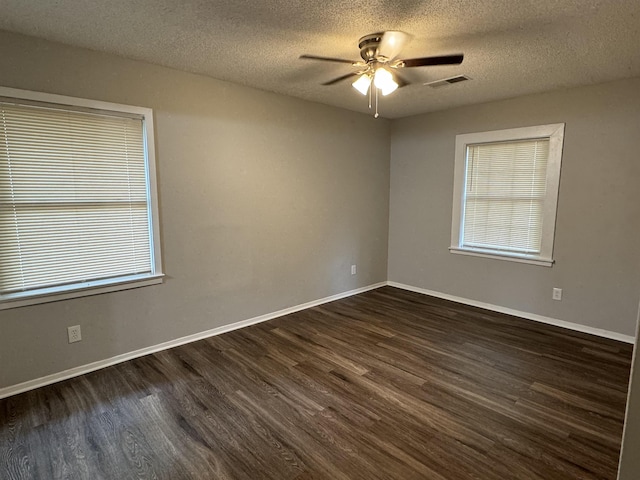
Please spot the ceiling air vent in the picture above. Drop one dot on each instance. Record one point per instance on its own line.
(448, 81)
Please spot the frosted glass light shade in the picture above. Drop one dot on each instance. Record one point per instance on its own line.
(389, 88)
(362, 84)
(383, 79)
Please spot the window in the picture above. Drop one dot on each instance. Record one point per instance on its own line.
(506, 192)
(78, 211)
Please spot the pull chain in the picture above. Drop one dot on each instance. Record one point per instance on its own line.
(376, 114)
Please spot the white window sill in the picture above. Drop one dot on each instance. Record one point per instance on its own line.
(497, 255)
(45, 295)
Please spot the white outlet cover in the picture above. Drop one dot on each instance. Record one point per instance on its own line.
(74, 333)
(353, 270)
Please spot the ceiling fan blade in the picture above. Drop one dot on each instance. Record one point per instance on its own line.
(429, 61)
(340, 79)
(392, 43)
(327, 59)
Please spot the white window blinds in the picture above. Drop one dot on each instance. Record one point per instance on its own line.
(505, 189)
(73, 197)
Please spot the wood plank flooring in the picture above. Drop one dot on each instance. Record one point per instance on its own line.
(388, 384)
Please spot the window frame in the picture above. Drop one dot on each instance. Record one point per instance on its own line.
(555, 134)
(82, 289)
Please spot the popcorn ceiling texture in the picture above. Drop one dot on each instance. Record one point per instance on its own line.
(511, 48)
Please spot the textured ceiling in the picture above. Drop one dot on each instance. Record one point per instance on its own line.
(511, 47)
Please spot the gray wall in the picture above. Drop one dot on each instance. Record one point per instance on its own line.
(597, 232)
(265, 202)
(630, 460)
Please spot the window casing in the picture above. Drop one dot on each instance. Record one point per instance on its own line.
(506, 193)
(78, 202)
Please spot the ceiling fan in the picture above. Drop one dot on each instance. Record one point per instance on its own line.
(380, 64)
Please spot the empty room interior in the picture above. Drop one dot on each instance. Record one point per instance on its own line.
(329, 240)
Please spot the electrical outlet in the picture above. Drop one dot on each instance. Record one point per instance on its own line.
(74, 334)
(557, 294)
(353, 270)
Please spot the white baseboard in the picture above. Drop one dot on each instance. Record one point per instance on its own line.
(90, 367)
(517, 313)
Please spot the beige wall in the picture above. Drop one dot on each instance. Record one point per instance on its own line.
(597, 236)
(265, 202)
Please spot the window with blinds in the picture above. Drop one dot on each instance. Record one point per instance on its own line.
(504, 195)
(506, 192)
(75, 199)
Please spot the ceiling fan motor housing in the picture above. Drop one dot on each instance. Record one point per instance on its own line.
(369, 46)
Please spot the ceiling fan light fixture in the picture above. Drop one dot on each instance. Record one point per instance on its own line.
(377, 73)
(362, 84)
(383, 79)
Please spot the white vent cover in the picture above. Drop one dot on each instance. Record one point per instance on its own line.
(448, 81)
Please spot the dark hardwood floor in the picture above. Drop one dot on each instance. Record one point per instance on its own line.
(384, 385)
